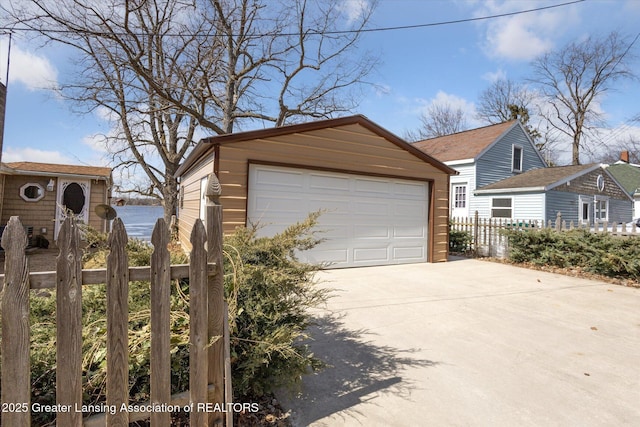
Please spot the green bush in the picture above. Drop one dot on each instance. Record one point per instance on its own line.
(593, 252)
(269, 293)
(459, 241)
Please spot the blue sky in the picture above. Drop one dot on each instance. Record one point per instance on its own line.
(452, 63)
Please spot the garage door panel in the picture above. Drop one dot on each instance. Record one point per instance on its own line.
(408, 231)
(403, 209)
(370, 255)
(331, 205)
(328, 183)
(365, 221)
(379, 208)
(330, 256)
(277, 204)
(410, 189)
(370, 186)
(371, 232)
(278, 178)
(409, 253)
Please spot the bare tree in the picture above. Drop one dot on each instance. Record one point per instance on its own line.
(504, 100)
(575, 78)
(165, 68)
(440, 119)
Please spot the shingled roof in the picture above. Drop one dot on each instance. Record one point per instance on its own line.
(464, 145)
(627, 175)
(541, 179)
(55, 169)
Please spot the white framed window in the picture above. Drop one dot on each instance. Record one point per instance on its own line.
(459, 196)
(32, 192)
(601, 209)
(516, 158)
(502, 207)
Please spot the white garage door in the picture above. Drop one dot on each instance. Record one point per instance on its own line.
(368, 220)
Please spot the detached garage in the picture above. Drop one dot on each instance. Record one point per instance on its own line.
(384, 201)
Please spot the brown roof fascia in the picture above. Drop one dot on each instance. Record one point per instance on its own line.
(207, 143)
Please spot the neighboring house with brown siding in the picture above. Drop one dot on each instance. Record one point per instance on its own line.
(40, 194)
(384, 201)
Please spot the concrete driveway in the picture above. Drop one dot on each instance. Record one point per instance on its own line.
(472, 343)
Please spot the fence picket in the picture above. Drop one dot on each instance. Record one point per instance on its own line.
(160, 322)
(69, 324)
(16, 381)
(216, 297)
(118, 325)
(198, 331)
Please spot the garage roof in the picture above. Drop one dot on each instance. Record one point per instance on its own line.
(207, 143)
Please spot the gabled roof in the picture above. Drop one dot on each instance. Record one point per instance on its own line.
(542, 179)
(468, 144)
(205, 144)
(627, 175)
(50, 169)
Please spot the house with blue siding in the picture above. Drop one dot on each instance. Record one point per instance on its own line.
(503, 175)
(483, 156)
(582, 194)
(628, 175)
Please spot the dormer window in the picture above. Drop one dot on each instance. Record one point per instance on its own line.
(516, 159)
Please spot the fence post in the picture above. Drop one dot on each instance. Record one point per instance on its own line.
(475, 233)
(216, 296)
(160, 322)
(16, 367)
(559, 221)
(69, 324)
(117, 325)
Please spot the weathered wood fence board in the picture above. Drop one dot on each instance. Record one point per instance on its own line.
(160, 322)
(69, 313)
(16, 371)
(118, 325)
(68, 280)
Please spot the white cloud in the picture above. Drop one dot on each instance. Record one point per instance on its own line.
(525, 36)
(454, 101)
(28, 154)
(34, 71)
(354, 9)
(493, 77)
(97, 142)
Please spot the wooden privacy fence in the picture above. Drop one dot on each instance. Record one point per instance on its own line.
(209, 377)
(486, 235)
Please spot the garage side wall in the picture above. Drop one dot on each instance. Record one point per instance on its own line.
(189, 207)
(351, 149)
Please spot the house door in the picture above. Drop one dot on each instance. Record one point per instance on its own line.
(459, 200)
(72, 199)
(585, 207)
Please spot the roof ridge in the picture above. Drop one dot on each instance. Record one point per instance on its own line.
(510, 122)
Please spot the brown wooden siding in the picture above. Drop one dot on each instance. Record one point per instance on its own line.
(350, 149)
(41, 214)
(35, 214)
(189, 210)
